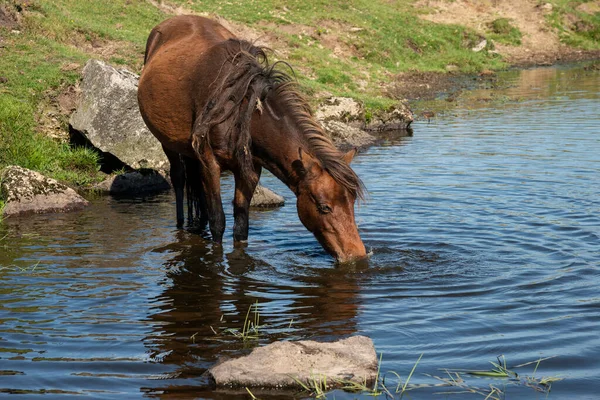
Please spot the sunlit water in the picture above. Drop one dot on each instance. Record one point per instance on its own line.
(485, 231)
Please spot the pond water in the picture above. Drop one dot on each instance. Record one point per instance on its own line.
(485, 232)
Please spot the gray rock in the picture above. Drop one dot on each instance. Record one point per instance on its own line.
(135, 182)
(282, 364)
(29, 192)
(108, 116)
(480, 46)
(266, 198)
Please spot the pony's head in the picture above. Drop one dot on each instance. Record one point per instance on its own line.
(326, 208)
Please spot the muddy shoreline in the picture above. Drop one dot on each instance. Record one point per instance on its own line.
(417, 86)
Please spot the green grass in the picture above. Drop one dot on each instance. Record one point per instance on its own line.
(455, 382)
(21, 145)
(250, 329)
(576, 28)
(503, 31)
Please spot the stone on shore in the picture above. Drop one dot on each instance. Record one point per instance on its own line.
(350, 112)
(283, 364)
(28, 192)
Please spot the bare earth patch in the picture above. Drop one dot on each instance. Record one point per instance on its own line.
(421, 85)
(8, 17)
(591, 7)
(540, 42)
(55, 109)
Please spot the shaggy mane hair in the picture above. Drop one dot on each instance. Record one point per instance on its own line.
(245, 79)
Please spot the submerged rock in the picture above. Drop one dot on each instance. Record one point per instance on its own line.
(266, 198)
(108, 116)
(283, 364)
(29, 192)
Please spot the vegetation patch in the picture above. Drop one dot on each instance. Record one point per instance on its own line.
(503, 31)
(578, 23)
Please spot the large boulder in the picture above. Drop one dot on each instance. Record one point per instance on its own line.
(108, 116)
(29, 192)
(285, 364)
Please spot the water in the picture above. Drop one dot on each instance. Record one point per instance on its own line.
(485, 229)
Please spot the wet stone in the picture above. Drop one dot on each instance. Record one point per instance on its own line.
(285, 364)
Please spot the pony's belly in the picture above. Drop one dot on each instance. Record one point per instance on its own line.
(166, 109)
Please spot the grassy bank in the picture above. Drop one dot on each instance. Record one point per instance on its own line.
(353, 48)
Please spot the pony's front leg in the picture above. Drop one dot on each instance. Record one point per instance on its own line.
(177, 174)
(210, 175)
(244, 190)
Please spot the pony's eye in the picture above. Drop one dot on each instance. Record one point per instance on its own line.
(323, 208)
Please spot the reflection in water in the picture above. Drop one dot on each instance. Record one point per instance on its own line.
(207, 294)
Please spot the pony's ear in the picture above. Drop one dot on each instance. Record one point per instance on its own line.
(298, 165)
(349, 156)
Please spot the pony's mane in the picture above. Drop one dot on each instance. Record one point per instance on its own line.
(245, 79)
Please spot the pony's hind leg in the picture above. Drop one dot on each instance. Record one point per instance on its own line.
(244, 190)
(196, 199)
(210, 176)
(177, 173)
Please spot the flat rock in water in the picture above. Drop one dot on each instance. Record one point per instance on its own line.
(283, 364)
(109, 118)
(266, 198)
(29, 192)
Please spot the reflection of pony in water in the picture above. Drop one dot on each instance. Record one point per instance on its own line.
(208, 292)
(215, 104)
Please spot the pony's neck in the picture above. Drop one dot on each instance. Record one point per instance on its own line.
(279, 152)
(284, 164)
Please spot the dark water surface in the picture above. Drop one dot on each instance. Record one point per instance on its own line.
(485, 231)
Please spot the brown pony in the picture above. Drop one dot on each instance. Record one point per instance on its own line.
(215, 103)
